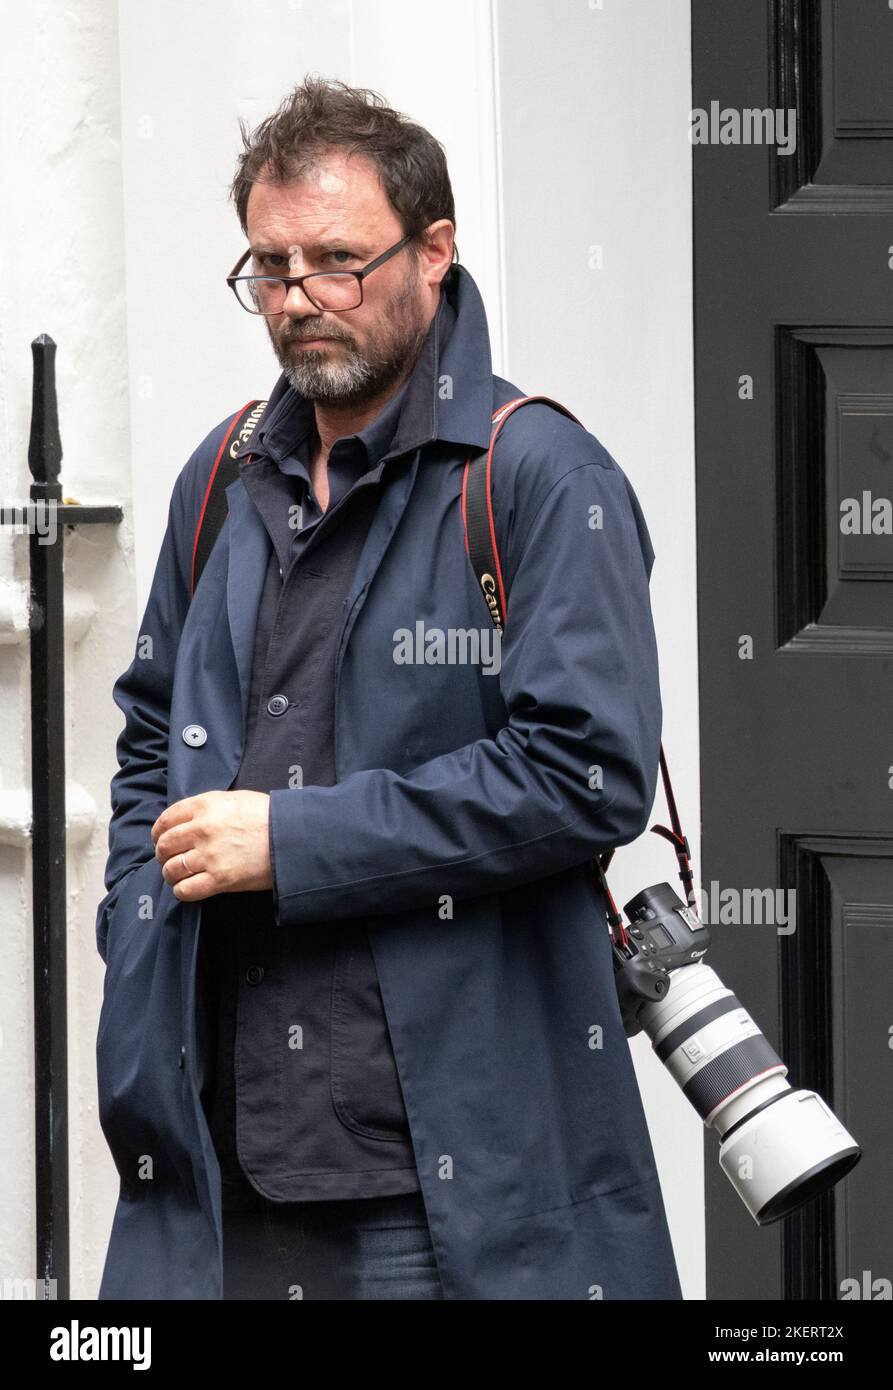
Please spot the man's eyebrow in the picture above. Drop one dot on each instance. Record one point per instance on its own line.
(312, 248)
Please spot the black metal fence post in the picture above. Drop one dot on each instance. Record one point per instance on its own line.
(47, 517)
(47, 624)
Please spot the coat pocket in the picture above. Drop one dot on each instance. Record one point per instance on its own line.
(366, 1091)
(136, 901)
(138, 1043)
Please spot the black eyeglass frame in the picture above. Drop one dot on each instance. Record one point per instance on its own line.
(288, 280)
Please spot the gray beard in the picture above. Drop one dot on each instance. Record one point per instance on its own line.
(346, 377)
(345, 381)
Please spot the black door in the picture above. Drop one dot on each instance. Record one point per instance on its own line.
(794, 435)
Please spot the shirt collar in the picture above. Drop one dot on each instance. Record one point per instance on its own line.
(447, 396)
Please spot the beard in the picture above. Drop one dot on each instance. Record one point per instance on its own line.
(344, 375)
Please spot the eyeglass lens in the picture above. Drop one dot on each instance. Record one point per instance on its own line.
(262, 295)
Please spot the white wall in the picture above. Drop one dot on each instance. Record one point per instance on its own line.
(62, 251)
(565, 126)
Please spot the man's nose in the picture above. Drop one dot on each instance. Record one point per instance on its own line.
(297, 305)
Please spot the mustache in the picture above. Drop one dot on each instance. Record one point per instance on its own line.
(292, 337)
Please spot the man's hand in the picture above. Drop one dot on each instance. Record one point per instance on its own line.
(225, 838)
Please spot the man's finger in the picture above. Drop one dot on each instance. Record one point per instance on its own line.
(195, 887)
(174, 841)
(175, 814)
(173, 869)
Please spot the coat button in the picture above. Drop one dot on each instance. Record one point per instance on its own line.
(194, 735)
(277, 704)
(254, 974)
(182, 1058)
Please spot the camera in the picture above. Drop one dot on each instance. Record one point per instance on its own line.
(778, 1146)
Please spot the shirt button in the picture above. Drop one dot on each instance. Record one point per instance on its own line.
(254, 974)
(194, 735)
(277, 704)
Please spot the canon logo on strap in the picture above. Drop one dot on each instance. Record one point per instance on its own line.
(247, 429)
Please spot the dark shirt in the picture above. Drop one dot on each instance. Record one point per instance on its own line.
(303, 1096)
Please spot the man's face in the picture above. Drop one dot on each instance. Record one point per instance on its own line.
(338, 218)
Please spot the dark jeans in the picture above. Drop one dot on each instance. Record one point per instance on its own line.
(351, 1248)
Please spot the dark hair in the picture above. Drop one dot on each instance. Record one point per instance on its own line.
(323, 114)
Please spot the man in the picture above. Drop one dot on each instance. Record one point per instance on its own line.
(360, 1037)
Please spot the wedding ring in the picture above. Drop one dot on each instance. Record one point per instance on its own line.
(183, 862)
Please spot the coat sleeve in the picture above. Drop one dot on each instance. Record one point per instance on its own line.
(572, 773)
(143, 694)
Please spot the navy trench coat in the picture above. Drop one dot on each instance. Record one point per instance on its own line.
(468, 805)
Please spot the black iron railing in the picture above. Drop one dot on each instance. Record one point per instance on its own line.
(47, 517)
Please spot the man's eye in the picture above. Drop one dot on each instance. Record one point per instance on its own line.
(272, 262)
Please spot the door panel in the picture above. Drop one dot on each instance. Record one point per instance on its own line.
(794, 433)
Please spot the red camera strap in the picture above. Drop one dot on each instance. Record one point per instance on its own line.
(483, 553)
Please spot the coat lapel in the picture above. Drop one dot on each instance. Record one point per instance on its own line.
(248, 553)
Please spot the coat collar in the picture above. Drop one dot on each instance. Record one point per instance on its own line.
(448, 396)
(460, 409)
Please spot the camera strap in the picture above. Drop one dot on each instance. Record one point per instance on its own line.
(483, 553)
(225, 471)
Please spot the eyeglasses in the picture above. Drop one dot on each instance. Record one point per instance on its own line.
(333, 291)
